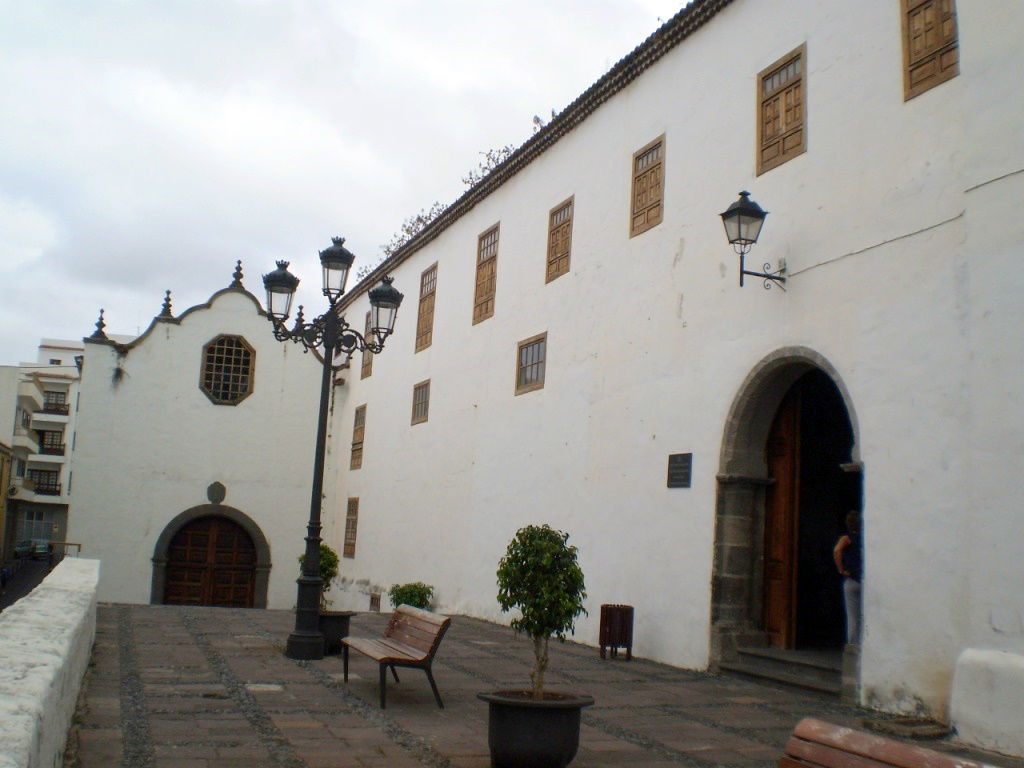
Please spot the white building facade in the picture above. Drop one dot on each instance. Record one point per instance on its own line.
(193, 459)
(887, 144)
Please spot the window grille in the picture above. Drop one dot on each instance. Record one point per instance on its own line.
(227, 376)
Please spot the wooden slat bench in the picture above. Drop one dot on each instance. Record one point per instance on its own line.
(817, 744)
(410, 640)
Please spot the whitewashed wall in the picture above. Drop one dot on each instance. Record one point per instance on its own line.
(902, 245)
(149, 446)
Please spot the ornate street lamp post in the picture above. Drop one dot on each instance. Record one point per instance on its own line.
(333, 336)
(743, 220)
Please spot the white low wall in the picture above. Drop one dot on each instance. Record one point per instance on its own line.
(987, 705)
(45, 644)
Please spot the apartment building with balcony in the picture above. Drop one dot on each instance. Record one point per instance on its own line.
(40, 436)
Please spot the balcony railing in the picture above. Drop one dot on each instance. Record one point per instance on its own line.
(52, 450)
(47, 489)
(61, 408)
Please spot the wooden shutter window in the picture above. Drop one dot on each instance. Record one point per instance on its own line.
(486, 274)
(425, 318)
(931, 51)
(531, 356)
(367, 364)
(421, 402)
(351, 525)
(781, 129)
(559, 240)
(358, 428)
(648, 187)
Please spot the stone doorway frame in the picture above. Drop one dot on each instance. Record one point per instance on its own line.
(736, 587)
(163, 543)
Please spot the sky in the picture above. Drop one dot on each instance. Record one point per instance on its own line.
(149, 144)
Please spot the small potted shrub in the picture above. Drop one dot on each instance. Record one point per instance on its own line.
(333, 624)
(416, 593)
(540, 577)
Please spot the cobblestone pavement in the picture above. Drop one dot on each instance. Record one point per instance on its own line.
(173, 687)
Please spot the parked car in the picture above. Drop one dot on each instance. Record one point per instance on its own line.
(37, 549)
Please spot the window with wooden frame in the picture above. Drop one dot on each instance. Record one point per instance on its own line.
(351, 526)
(781, 114)
(931, 51)
(358, 428)
(421, 402)
(648, 187)
(486, 274)
(559, 240)
(227, 373)
(530, 356)
(367, 363)
(425, 318)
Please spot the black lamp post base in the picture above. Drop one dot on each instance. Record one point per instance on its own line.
(305, 646)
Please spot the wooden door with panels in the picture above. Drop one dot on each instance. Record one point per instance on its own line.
(781, 523)
(211, 561)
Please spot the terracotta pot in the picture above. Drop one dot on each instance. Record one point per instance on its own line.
(524, 732)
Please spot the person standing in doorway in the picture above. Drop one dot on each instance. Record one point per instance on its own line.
(847, 556)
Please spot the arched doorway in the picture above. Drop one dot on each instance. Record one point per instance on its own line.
(212, 554)
(211, 561)
(789, 471)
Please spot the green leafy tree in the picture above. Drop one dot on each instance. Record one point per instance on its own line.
(541, 577)
(328, 570)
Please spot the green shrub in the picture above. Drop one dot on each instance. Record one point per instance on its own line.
(417, 594)
(540, 576)
(328, 570)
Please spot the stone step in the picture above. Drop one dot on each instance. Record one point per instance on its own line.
(816, 671)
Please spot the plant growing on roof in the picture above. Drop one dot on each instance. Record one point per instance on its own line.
(541, 577)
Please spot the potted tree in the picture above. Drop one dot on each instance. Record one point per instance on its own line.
(333, 624)
(540, 577)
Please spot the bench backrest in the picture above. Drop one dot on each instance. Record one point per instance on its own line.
(825, 745)
(415, 627)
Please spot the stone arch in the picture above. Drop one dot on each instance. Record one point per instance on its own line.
(742, 479)
(159, 582)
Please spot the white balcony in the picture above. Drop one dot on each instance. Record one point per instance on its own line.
(49, 418)
(26, 489)
(25, 439)
(30, 394)
(48, 457)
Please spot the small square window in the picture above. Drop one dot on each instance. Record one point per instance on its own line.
(530, 359)
(421, 402)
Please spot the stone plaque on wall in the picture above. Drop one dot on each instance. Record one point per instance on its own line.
(680, 470)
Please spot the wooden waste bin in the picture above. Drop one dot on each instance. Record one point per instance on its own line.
(617, 629)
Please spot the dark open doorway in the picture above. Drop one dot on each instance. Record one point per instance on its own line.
(811, 490)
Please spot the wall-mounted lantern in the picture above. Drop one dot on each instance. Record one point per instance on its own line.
(743, 220)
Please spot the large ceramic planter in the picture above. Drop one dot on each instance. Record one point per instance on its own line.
(334, 626)
(526, 733)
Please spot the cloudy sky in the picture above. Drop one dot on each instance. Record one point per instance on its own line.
(148, 145)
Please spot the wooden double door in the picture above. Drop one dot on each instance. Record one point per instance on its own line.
(805, 506)
(211, 561)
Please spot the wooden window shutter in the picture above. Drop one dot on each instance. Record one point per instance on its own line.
(425, 318)
(367, 365)
(559, 240)
(648, 187)
(351, 525)
(931, 52)
(486, 275)
(782, 97)
(358, 429)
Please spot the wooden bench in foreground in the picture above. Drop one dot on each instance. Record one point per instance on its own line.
(817, 744)
(410, 640)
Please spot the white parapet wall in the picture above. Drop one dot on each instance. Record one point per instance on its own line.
(987, 705)
(45, 643)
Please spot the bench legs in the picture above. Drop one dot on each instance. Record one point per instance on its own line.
(384, 682)
(433, 687)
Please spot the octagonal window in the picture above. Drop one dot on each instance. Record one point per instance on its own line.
(227, 375)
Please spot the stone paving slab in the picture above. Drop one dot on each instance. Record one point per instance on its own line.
(177, 687)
